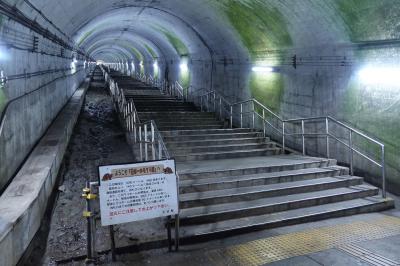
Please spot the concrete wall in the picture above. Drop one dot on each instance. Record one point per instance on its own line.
(29, 116)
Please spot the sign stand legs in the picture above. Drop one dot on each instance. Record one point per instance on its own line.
(176, 232)
(112, 238)
(169, 234)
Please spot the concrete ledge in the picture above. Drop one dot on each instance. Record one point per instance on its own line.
(24, 202)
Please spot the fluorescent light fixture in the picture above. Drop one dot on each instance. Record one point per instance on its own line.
(141, 63)
(388, 76)
(155, 65)
(4, 55)
(262, 69)
(184, 66)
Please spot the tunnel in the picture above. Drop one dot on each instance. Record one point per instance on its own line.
(245, 96)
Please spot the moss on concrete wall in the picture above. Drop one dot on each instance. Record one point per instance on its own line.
(268, 89)
(370, 19)
(133, 50)
(174, 40)
(151, 51)
(85, 36)
(375, 109)
(259, 25)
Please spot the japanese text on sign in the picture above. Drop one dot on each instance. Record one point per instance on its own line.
(137, 192)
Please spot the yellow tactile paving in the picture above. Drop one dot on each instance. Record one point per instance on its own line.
(281, 247)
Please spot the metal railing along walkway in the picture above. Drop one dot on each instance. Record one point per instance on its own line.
(213, 101)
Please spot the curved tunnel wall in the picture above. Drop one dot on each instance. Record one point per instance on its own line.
(332, 42)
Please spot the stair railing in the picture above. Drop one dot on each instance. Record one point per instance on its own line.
(144, 137)
(236, 113)
(177, 90)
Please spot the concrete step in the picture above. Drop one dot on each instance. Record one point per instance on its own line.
(166, 109)
(219, 148)
(198, 143)
(206, 184)
(160, 101)
(205, 198)
(177, 114)
(221, 212)
(240, 167)
(213, 136)
(162, 104)
(227, 154)
(187, 119)
(199, 132)
(134, 93)
(189, 123)
(195, 233)
(151, 97)
(215, 126)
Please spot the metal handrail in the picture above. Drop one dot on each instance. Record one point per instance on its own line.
(218, 100)
(178, 91)
(145, 134)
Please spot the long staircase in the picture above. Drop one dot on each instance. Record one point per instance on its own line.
(236, 180)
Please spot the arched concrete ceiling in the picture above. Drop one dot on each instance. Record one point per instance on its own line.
(227, 28)
(135, 50)
(184, 25)
(134, 42)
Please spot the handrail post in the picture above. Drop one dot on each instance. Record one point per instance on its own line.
(145, 143)
(351, 152)
(231, 116)
(383, 172)
(215, 110)
(201, 103)
(303, 137)
(327, 137)
(140, 143)
(153, 152)
(241, 115)
(264, 129)
(283, 136)
(220, 108)
(254, 116)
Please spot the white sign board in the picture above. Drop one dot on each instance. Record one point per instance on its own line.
(135, 192)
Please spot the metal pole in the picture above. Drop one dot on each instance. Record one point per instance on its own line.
(152, 142)
(327, 138)
(112, 238)
(201, 103)
(88, 215)
(303, 138)
(145, 143)
(351, 152)
(264, 129)
(254, 117)
(241, 115)
(283, 136)
(159, 150)
(140, 143)
(169, 233)
(231, 116)
(383, 172)
(215, 110)
(176, 232)
(220, 108)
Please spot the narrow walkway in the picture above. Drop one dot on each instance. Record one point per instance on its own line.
(97, 139)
